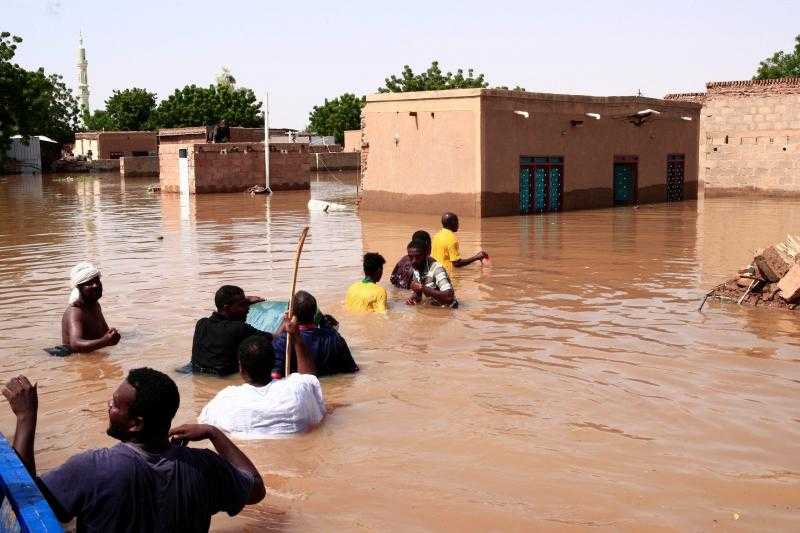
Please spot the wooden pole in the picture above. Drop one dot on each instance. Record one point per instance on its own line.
(288, 360)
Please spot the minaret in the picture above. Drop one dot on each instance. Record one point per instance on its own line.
(83, 78)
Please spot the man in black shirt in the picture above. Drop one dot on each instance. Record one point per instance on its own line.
(217, 338)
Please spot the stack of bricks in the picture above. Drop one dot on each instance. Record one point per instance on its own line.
(749, 136)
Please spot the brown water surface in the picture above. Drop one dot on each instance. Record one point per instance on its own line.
(576, 388)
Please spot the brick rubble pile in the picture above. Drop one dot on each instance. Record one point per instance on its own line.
(771, 280)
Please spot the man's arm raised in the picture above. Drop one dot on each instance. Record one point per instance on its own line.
(24, 401)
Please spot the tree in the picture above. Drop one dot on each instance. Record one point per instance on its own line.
(130, 109)
(31, 101)
(197, 106)
(505, 87)
(432, 80)
(100, 120)
(781, 64)
(337, 115)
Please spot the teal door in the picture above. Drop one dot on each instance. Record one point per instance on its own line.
(624, 183)
(554, 189)
(540, 184)
(525, 190)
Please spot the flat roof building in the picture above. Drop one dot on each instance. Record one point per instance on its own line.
(489, 152)
(115, 144)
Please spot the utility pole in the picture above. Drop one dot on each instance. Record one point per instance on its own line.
(266, 141)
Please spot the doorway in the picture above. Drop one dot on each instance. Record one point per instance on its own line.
(541, 184)
(675, 172)
(183, 171)
(626, 174)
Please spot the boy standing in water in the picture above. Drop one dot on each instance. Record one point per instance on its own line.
(445, 248)
(367, 295)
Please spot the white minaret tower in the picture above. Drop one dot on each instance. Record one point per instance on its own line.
(83, 78)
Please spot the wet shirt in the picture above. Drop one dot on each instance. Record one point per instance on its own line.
(216, 341)
(126, 489)
(365, 295)
(444, 248)
(402, 274)
(329, 350)
(281, 407)
(434, 276)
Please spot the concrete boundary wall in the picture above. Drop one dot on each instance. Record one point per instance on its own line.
(749, 137)
(143, 166)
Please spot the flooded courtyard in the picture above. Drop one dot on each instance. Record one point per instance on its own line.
(576, 387)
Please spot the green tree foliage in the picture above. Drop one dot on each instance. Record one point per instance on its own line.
(505, 87)
(32, 102)
(100, 120)
(131, 108)
(196, 106)
(432, 80)
(337, 115)
(781, 64)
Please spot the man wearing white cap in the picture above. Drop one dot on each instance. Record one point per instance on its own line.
(83, 327)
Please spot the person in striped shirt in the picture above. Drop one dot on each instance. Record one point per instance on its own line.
(430, 278)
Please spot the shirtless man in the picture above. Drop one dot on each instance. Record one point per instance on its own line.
(83, 326)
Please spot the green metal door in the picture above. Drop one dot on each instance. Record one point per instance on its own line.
(624, 183)
(539, 184)
(525, 189)
(554, 190)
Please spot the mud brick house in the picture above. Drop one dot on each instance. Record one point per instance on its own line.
(115, 144)
(489, 152)
(749, 136)
(188, 163)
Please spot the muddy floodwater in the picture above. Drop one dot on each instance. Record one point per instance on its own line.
(576, 388)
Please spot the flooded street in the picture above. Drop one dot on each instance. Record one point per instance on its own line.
(576, 387)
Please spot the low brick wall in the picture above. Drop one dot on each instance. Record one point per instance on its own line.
(143, 166)
(235, 167)
(104, 165)
(336, 161)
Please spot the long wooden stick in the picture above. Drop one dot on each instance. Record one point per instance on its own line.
(288, 361)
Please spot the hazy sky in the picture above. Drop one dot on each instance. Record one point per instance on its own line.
(305, 51)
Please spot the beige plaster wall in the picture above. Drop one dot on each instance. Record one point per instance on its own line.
(588, 148)
(424, 151)
(352, 141)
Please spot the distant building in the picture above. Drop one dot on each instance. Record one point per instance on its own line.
(352, 141)
(115, 144)
(489, 152)
(189, 164)
(24, 156)
(749, 136)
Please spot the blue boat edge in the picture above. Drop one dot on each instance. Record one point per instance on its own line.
(32, 512)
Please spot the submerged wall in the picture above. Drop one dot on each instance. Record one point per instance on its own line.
(234, 167)
(558, 125)
(143, 166)
(749, 136)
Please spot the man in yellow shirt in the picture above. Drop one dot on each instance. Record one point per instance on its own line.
(444, 247)
(367, 295)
